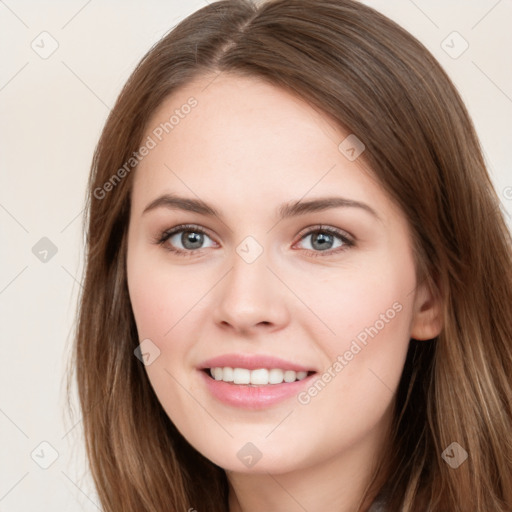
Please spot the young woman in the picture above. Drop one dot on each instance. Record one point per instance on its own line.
(298, 289)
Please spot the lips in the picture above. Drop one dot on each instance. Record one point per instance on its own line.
(246, 393)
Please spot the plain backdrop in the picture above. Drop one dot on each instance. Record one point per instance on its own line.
(53, 108)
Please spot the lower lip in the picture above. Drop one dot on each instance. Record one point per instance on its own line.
(253, 397)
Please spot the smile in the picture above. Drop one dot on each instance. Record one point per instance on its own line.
(257, 377)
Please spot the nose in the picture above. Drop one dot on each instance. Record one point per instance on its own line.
(251, 298)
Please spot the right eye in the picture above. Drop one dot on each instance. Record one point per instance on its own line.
(190, 236)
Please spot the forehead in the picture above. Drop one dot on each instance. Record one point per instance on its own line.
(242, 119)
(247, 140)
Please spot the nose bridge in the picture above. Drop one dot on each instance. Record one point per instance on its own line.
(250, 294)
(248, 279)
(249, 272)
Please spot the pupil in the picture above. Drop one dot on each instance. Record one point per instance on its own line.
(322, 239)
(191, 239)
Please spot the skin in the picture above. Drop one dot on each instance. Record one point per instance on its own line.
(246, 148)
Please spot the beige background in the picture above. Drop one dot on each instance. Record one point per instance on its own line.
(52, 111)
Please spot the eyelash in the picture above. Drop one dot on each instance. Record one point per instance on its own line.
(165, 235)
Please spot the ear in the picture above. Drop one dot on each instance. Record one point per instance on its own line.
(427, 321)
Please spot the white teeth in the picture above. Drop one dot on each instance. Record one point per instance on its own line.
(259, 377)
(241, 376)
(227, 374)
(289, 376)
(275, 376)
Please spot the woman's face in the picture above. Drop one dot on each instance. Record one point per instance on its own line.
(259, 285)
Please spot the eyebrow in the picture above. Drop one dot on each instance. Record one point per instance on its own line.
(286, 210)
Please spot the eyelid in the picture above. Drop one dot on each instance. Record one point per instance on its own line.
(183, 227)
(325, 228)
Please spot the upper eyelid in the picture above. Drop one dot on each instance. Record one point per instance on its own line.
(186, 227)
(325, 227)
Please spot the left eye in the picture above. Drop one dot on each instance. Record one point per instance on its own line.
(323, 240)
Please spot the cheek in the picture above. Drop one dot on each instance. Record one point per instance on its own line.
(365, 359)
(160, 301)
(159, 296)
(369, 315)
(363, 305)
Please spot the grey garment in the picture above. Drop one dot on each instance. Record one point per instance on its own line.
(377, 506)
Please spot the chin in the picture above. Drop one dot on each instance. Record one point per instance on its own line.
(252, 457)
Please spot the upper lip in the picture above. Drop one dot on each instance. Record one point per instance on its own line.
(252, 362)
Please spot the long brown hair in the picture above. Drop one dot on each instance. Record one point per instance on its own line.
(375, 80)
